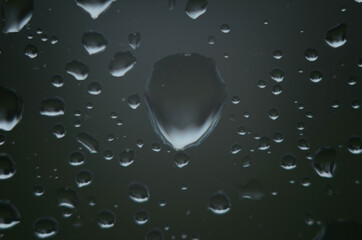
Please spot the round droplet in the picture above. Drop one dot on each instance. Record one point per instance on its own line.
(134, 40)
(156, 147)
(141, 217)
(57, 81)
(311, 54)
(77, 69)
(264, 144)
(305, 181)
(261, 84)
(336, 36)
(106, 219)
(354, 144)
(121, 63)
(52, 107)
(278, 137)
(45, 227)
(38, 190)
(225, 28)
(7, 166)
(76, 158)
(84, 178)
(138, 192)
(11, 108)
(9, 215)
(181, 159)
(219, 203)
(273, 114)
(127, 157)
(235, 99)
(94, 88)
(277, 54)
(59, 130)
(67, 198)
(277, 75)
(288, 161)
(108, 154)
(303, 144)
(94, 42)
(134, 101)
(316, 76)
(139, 142)
(277, 89)
(195, 8)
(352, 81)
(31, 51)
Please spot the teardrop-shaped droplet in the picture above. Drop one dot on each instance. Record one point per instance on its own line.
(52, 107)
(185, 97)
(195, 8)
(181, 159)
(138, 192)
(121, 63)
(134, 40)
(219, 203)
(11, 108)
(94, 7)
(134, 101)
(94, 42)
(77, 69)
(324, 162)
(9, 215)
(15, 15)
(336, 36)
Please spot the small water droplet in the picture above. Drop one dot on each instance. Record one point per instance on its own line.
(59, 130)
(316, 76)
(225, 28)
(76, 158)
(181, 159)
(141, 217)
(127, 157)
(277, 75)
(252, 190)
(311, 54)
(31, 51)
(57, 81)
(354, 144)
(94, 88)
(134, 101)
(219, 203)
(93, 42)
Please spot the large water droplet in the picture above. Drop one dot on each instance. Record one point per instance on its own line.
(77, 69)
(138, 192)
(94, 7)
(336, 36)
(9, 215)
(7, 166)
(45, 227)
(106, 219)
(185, 97)
(89, 142)
(94, 88)
(219, 203)
(11, 108)
(195, 8)
(94, 42)
(15, 15)
(277, 75)
(324, 162)
(121, 63)
(52, 107)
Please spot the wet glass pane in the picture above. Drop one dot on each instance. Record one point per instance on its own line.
(180, 119)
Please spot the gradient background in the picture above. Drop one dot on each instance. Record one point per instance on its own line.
(212, 167)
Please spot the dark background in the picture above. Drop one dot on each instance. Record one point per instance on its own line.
(212, 167)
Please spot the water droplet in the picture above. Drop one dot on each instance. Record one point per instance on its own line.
(336, 36)
(154, 234)
(67, 198)
(89, 142)
(134, 40)
(277, 89)
(241, 131)
(93, 42)
(273, 114)
(236, 148)
(219, 203)
(76, 158)
(11, 108)
(305, 181)
(31, 51)
(138, 192)
(141, 217)
(7, 166)
(277, 54)
(324, 162)
(94, 7)
(52, 107)
(38, 190)
(261, 84)
(253, 190)
(77, 69)
(9, 215)
(57, 81)
(264, 143)
(288, 161)
(185, 97)
(156, 147)
(211, 40)
(277, 75)
(181, 159)
(134, 101)
(15, 15)
(303, 144)
(354, 144)
(225, 28)
(94, 88)
(139, 142)
(121, 63)
(316, 76)
(311, 54)
(59, 130)
(106, 219)
(235, 99)
(127, 157)
(195, 8)
(108, 154)
(84, 177)
(352, 81)
(45, 227)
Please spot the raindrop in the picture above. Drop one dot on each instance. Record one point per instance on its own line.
(311, 54)
(316, 76)
(138, 192)
(277, 54)
(354, 145)
(141, 217)
(108, 154)
(45, 227)
(235, 99)
(94, 7)
(195, 8)
(15, 15)
(225, 28)
(139, 142)
(57, 81)
(52, 107)
(134, 40)
(127, 157)
(31, 51)
(273, 114)
(76, 158)
(236, 148)
(38, 190)
(185, 97)
(181, 159)
(264, 143)
(352, 81)
(9, 215)
(7, 166)
(305, 181)
(219, 203)
(67, 198)
(121, 63)
(134, 101)
(277, 75)
(156, 147)
(277, 89)
(303, 144)
(106, 219)
(59, 130)
(253, 190)
(324, 162)
(336, 36)
(93, 42)
(211, 40)
(77, 69)
(84, 177)
(11, 108)
(94, 88)
(87, 141)
(288, 161)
